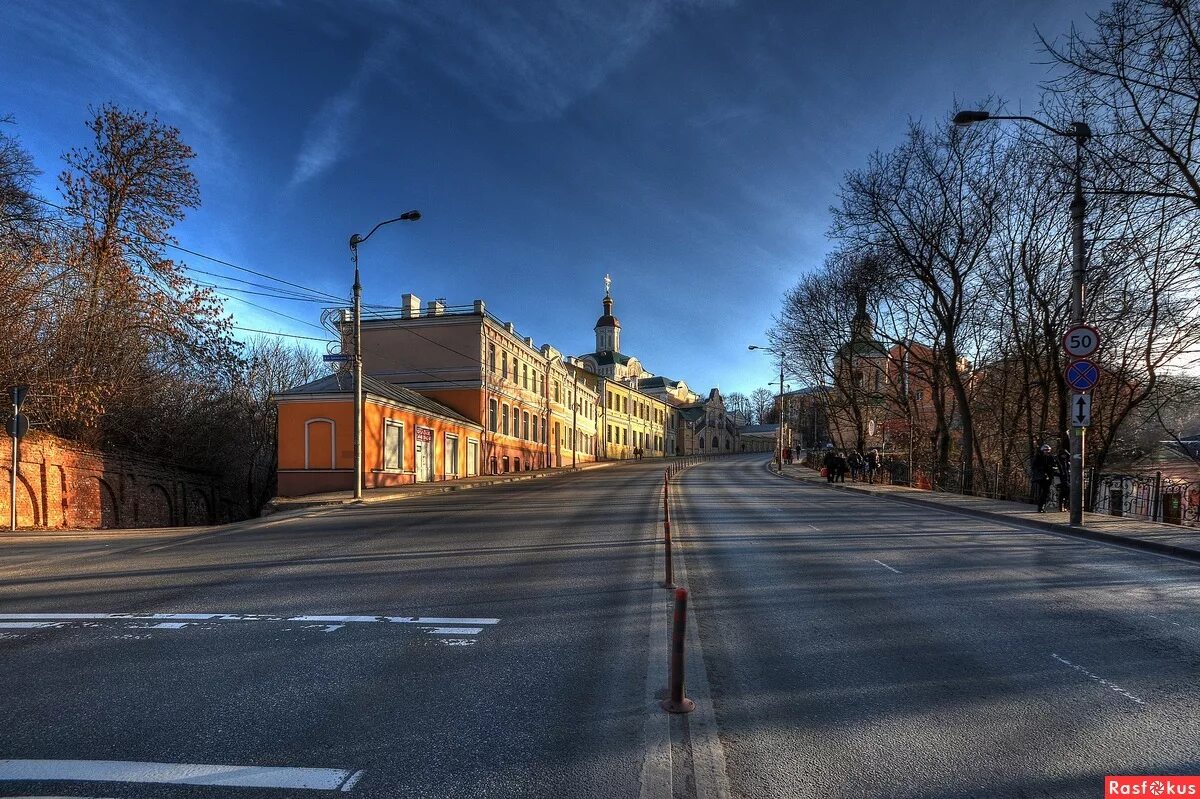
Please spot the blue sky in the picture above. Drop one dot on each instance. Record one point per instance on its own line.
(689, 149)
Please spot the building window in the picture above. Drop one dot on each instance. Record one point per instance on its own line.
(625, 436)
(504, 367)
(609, 433)
(492, 358)
(625, 405)
(472, 457)
(557, 392)
(525, 375)
(516, 423)
(451, 449)
(492, 415)
(505, 423)
(525, 425)
(393, 445)
(535, 428)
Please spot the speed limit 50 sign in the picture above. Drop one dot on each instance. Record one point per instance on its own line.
(1081, 341)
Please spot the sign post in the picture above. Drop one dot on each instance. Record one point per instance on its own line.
(1080, 342)
(18, 426)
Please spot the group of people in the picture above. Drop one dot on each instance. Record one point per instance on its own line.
(838, 464)
(1045, 467)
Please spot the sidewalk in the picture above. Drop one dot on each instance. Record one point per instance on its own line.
(1166, 539)
(392, 493)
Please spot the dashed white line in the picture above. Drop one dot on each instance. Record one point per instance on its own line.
(889, 568)
(322, 779)
(1112, 686)
(353, 780)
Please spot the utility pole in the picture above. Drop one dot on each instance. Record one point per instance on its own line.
(1081, 133)
(355, 240)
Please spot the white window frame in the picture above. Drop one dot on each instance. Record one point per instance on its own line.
(447, 438)
(472, 463)
(399, 467)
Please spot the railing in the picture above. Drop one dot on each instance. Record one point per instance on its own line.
(1154, 497)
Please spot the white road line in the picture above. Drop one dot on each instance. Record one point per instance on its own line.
(353, 780)
(1110, 685)
(170, 625)
(26, 625)
(322, 779)
(243, 617)
(889, 568)
(455, 630)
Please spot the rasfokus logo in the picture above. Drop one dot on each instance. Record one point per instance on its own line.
(1151, 786)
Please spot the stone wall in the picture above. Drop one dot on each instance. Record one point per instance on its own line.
(62, 485)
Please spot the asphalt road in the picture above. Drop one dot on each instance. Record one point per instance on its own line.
(860, 647)
(510, 642)
(513, 661)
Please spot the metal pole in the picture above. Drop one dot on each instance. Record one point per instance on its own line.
(1078, 211)
(12, 487)
(779, 454)
(358, 389)
(574, 415)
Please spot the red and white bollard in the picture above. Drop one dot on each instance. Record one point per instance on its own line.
(676, 702)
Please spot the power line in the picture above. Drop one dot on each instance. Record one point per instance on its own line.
(275, 333)
(222, 262)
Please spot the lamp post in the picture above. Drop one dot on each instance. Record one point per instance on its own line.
(355, 240)
(779, 449)
(1080, 133)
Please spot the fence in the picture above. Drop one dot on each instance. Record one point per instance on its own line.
(1151, 497)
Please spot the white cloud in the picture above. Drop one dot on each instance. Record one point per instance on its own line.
(326, 138)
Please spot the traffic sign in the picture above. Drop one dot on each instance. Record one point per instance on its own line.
(336, 357)
(1082, 375)
(18, 426)
(18, 395)
(1081, 410)
(1081, 341)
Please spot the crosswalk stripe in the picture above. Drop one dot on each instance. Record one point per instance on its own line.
(325, 779)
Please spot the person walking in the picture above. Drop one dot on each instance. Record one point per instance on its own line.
(857, 463)
(1042, 470)
(840, 466)
(1064, 478)
(872, 464)
(830, 464)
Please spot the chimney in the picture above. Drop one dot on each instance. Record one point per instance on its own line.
(437, 307)
(479, 307)
(410, 306)
(510, 327)
(529, 341)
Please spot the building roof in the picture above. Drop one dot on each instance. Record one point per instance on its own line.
(608, 358)
(751, 429)
(343, 382)
(608, 320)
(657, 382)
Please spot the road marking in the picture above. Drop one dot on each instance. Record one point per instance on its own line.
(1177, 624)
(889, 568)
(460, 628)
(321, 779)
(1110, 685)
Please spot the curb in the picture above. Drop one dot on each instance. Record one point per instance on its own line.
(441, 487)
(1157, 547)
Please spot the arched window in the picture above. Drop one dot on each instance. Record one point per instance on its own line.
(716, 443)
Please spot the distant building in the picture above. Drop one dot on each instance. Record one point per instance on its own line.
(407, 438)
(534, 411)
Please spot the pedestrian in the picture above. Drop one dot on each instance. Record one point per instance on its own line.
(857, 463)
(1042, 470)
(872, 464)
(1064, 478)
(840, 466)
(830, 464)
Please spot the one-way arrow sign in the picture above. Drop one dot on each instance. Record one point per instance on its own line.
(1081, 410)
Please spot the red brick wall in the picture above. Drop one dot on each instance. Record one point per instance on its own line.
(63, 485)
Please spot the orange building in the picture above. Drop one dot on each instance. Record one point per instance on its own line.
(407, 438)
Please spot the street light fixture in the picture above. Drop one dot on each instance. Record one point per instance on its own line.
(779, 449)
(1080, 133)
(355, 240)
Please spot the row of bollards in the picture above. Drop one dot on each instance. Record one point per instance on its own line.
(675, 702)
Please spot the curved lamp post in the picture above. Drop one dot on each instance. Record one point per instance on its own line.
(1080, 133)
(355, 240)
(778, 449)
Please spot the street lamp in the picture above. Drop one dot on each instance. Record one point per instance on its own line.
(1080, 133)
(355, 240)
(779, 449)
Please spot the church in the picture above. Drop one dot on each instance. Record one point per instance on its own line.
(697, 426)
